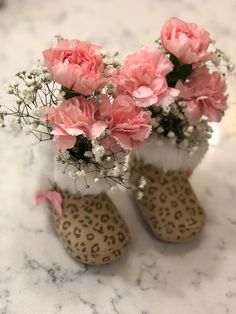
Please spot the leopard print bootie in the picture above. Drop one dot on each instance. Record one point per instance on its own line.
(91, 229)
(167, 202)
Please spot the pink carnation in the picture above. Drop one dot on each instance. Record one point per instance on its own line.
(76, 65)
(74, 117)
(128, 124)
(205, 93)
(186, 41)
(143, 77)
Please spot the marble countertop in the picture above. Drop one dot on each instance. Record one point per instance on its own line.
(36, 276)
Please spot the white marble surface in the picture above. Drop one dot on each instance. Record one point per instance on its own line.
(36, 276)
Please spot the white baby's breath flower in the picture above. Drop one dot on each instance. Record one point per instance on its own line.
(64, 155)
(184, 143)
(39, 112)
(9, 89)
(190, 129)
(142, 182)
(88, 154)
(154, 122)
(209, 128)
(72, 173)
(113, 172)
(28, 94)
(98, 152)
(15, 125)
(80, 173)
(30, 82)
(139, 195)
(230, 67)
(216, 61)
(75, 173)
(171, 134)
(160, 129)
(28, 128)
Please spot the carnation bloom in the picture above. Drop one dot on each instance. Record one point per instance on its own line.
(128, 124)
(143, 77)
(74, 117)
(205, 93)
(186, 41)
(76, 65)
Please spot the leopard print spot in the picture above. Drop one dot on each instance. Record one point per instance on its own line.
(152, 207)
(181, 198)
(115, 220)
(104, 218)
(99, 229)
(66, 225)
(88, 209)
(77, 232)
(170, 227)
(72, 208)
(106, 259)
(163, 181)
(182, 228)
(163, 197)
(95, 248)
(111, 228)
(192, 222)
(112, 240)
(191, 210)
(98, 205)
(178, 215)
(116, 253)
(152, 190)
(90, 236)
(174, 204)
(121, 236)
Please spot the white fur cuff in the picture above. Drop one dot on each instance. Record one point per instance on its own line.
(49, 172)
(169, 157)
(84, 185)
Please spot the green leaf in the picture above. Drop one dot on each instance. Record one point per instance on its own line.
(180, 71)
(174, 60)
(82, 145)
(69, 93)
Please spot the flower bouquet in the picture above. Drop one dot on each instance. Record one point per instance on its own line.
(182, 84)
(95, 112)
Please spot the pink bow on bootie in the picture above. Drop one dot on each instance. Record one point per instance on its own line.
(53, 197)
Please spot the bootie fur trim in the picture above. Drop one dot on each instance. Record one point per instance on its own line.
(49, 171)
(84, 185)
(169, 157)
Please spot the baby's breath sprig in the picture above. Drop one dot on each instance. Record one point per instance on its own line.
(34, 92)
(170, 124)
(222, 62)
